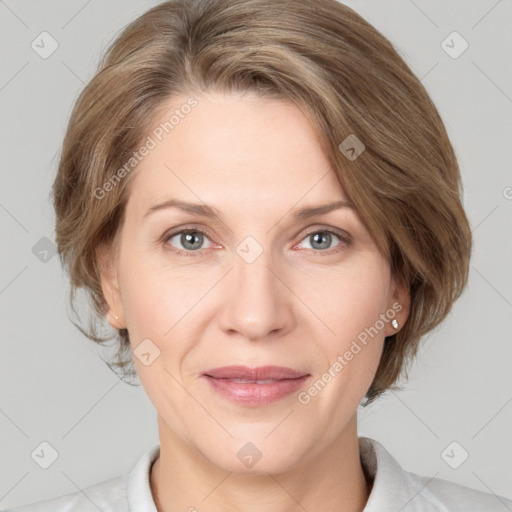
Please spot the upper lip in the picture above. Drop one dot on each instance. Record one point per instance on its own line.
(259, 373)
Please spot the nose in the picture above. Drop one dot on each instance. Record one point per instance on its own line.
(256, 302)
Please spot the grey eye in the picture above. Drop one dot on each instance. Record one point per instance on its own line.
(320, 240)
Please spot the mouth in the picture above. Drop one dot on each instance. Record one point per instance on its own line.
(261, 374)
(255, 386)
(247, 381)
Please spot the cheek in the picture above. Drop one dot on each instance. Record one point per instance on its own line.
(352, 305)
(155, 293)
(347, 300)
(161, 306)
(155, 302)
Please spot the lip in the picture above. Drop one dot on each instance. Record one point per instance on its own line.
(228, 382)
(258, 373)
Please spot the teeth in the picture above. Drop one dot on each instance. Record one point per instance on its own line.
(246, 381)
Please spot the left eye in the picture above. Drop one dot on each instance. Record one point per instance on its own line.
(322, 239)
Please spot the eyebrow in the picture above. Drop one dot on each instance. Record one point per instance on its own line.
(204, 210)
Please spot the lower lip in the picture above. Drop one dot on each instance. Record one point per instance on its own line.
(254, 394)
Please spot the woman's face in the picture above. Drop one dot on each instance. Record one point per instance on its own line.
(263, 286)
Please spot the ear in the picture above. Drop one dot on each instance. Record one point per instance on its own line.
(399, 306)
(110, 287)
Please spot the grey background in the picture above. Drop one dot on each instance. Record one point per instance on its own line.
(55, 388)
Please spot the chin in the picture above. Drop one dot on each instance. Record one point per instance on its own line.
(253, 454)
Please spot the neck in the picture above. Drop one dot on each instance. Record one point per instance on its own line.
(332, 480)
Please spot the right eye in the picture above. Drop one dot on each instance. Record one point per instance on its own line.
(191, 240)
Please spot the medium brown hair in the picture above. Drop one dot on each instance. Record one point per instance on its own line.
(340, 71)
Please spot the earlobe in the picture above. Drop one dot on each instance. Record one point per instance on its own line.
(110, 288)
(399, 307)
(113, 320)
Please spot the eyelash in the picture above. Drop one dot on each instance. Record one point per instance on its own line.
(345, 240)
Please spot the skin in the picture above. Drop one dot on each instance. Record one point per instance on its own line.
(257, 161)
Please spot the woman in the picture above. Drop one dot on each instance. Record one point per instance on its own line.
(263, 201)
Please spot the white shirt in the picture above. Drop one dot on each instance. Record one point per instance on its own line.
(394, 489)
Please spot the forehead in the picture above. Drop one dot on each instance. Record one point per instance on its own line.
(228, 149)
